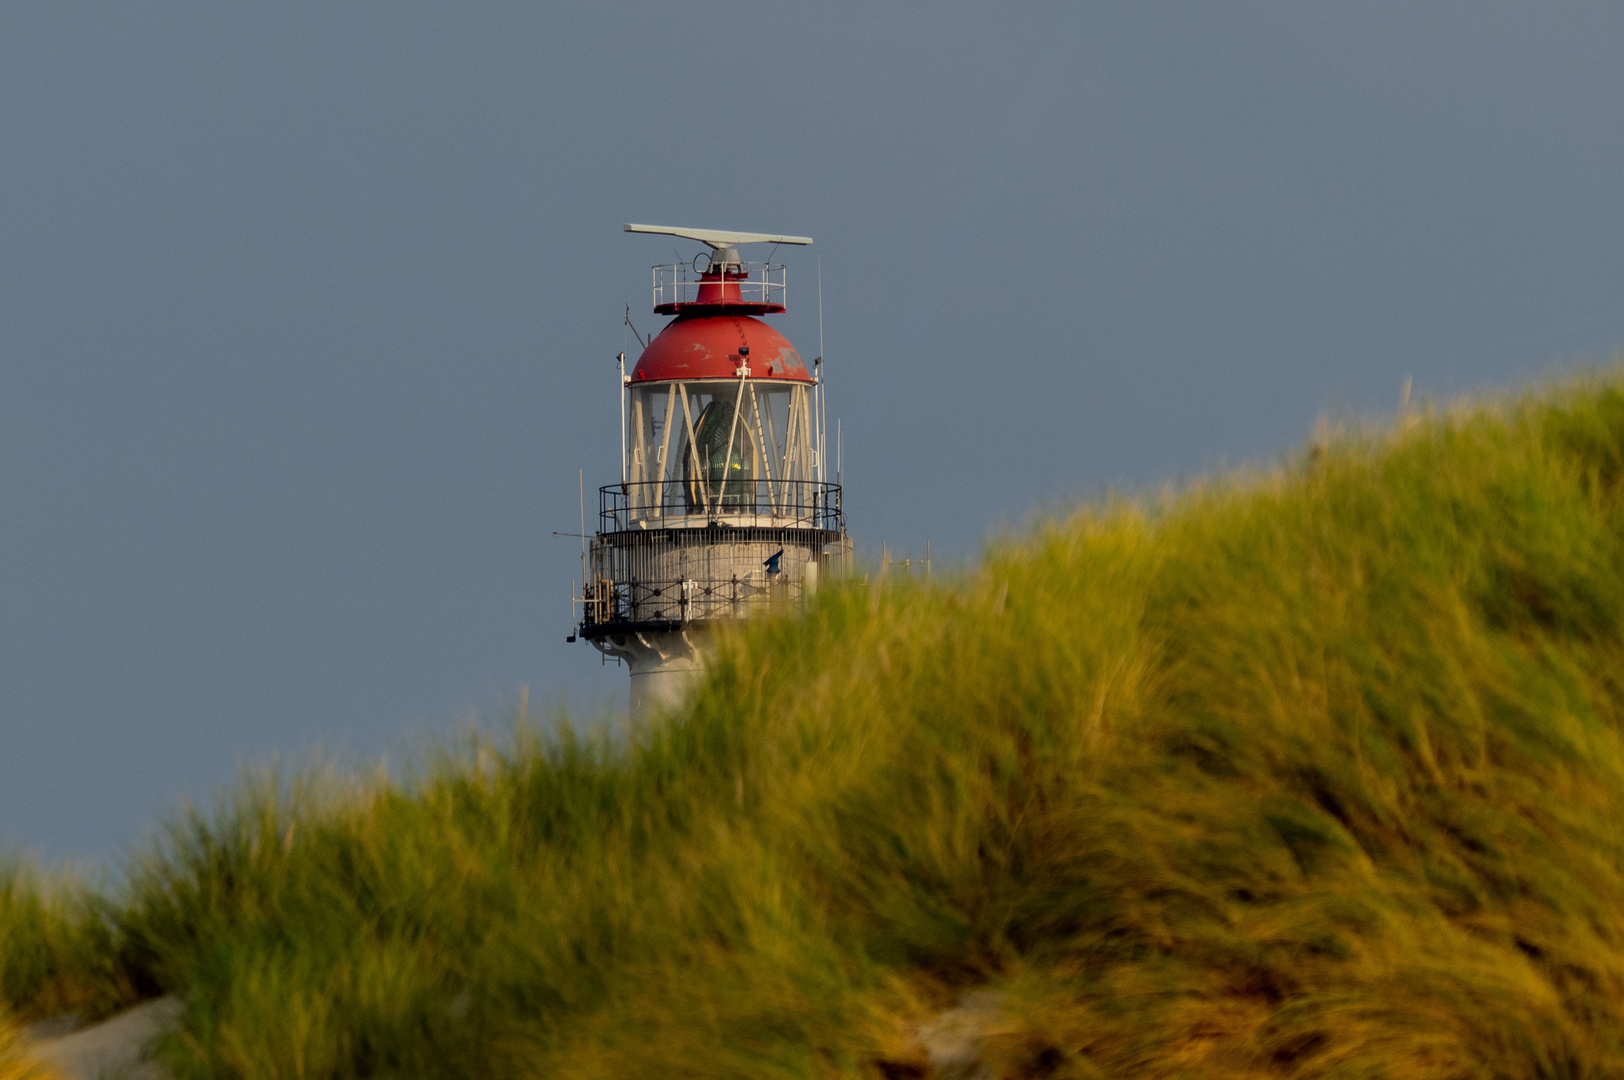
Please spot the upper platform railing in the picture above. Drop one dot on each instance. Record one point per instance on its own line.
(755, 285)
(760, 504)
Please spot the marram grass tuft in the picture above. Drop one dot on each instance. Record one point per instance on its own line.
(57, 946)
(1316, 773)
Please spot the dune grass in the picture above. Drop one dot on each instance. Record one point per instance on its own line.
(57, 955)
(58, 946)
(1309, 773)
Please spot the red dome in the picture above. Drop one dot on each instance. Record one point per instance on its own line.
(707, 347)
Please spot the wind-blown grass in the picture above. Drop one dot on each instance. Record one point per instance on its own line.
(1316, 773)
(57, 946)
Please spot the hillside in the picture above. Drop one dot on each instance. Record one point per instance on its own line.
(1316, 772)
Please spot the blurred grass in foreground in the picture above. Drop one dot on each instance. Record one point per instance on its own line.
(15, 1063)
(1316, 773)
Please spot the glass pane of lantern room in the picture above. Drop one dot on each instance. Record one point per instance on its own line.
(768, 404)
(721, 460)
(763, 471)
(650, 443)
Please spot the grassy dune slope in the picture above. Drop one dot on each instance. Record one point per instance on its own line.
(1309, 774)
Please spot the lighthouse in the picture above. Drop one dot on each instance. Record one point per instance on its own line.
(724, 509)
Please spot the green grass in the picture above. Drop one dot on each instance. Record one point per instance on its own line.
(58, 947)
(1309, 773)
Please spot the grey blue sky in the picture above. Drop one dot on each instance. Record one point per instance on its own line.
(307, 310)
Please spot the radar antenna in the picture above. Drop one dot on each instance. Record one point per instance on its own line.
(719, 239)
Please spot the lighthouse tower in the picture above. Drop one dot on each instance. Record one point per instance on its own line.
(723, 509)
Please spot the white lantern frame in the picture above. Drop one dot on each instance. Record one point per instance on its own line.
(674, 476)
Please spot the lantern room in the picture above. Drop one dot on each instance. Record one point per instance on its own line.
(720, 424)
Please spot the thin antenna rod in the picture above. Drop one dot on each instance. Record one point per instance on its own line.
(823, 395)
(641, 344)
(622, 359)
(580, 477)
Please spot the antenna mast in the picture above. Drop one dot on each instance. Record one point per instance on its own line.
(623, 382)
(823, 395)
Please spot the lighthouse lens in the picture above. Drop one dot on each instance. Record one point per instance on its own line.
(722, 470)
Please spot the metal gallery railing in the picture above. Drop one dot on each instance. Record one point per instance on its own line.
(684, 600)
(755, 283)
(689, 504)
